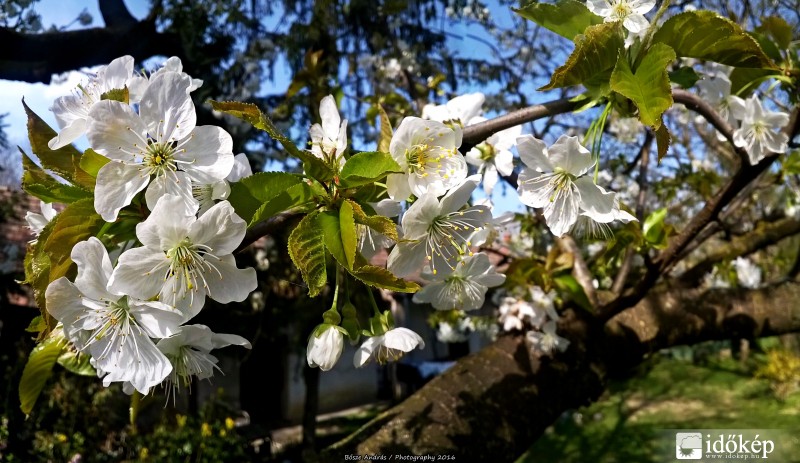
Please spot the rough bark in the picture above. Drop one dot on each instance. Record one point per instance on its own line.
(491, 405)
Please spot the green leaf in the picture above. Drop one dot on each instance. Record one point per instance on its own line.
(745, 80)
(566, 18)
(594, 57)
(76, 223)
(263, 186)
(654, 230)
(663, 140)
(37, 325)
(330, 224)
(243, 202)
(63, 161)
(379, 277)
(777, 29)
(768, 46)
(568, 285)
(686, 77)
(250, 113)
(307, 250)
(386, 131)
(708, 36)
(367, 167)
(91, 162)
(37, 371)
(118, 94)
(379, 223)
(300, 196)
(76, 362)
(349, 235)
(39, 183)
(649, 87)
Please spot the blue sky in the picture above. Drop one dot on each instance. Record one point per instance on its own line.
(40, 97)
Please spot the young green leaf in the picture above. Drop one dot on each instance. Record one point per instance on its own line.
(91, 162)
(654, 230)
(367, 167)
(300, 196)
(307, 250)
(76, 362)
(594, 57)
(379, 277)
(778, 30)
(63, 161)
(709, 36)
(566, 18)
(37, 371)
(649, 86)
(663, 140)
(386, 131)
(37, 182)
(347, 225)
(330, 224)
(76, 223)
(568, 285)
(249, 112)
(379, 223)
(686, 77)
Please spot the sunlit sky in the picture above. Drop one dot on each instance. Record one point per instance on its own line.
(61, 13)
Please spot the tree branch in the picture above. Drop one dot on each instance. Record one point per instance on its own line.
(580, 270)
(508, 395)
(36, 57)
(764, 235)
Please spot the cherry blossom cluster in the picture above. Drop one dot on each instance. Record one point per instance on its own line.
(756, 129)
(129, 309)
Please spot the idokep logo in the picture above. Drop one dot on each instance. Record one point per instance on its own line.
(688, 446)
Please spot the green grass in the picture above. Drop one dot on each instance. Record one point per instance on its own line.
(631, 422)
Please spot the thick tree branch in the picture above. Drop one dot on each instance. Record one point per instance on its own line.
(36, 57)
(475, 397)
(764, 235)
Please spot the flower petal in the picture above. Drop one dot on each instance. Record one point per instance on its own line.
(139, 273)
(596, 203)
(208, 154)
(167, 109)
(533, 153)
(229, 283)
(94, 268)
(115, 131)
(157, 319)
(219, 228)
(568, 154)
(116, 185)
(403, 339)
(167, 225)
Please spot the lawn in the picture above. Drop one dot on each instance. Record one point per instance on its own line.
(636, 419)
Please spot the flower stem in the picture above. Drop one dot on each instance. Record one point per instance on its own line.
(134, 410)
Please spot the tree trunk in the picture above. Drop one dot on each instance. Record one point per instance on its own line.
(493, 404)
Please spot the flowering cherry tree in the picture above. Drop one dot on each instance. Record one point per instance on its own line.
(155, 210)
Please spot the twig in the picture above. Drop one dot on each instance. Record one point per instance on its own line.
(580, 270)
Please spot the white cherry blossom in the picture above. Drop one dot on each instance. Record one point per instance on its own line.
(324, 350)
(438, 231)
(389, 346)
(114, 329)
(139, 83)
(184, 259)
(189, 353)
(717, 91)
(493, 157)
(460, 111)
(208, 194)
(547, 341)
(760, 132)
(630, 12)
(371, 242)
(427, 152)
(162, 142)
(36, 221)
(329, 139)
(554, 179)
(72, 111)
(465, 288)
